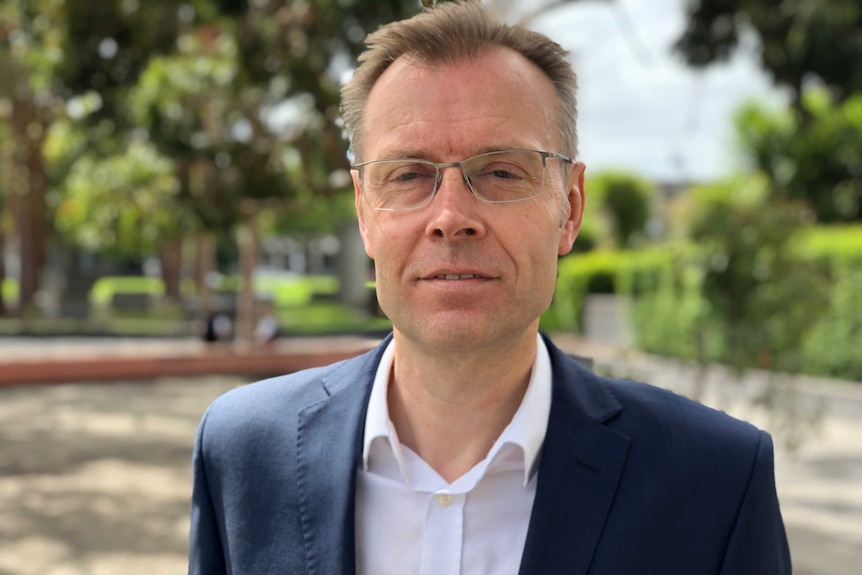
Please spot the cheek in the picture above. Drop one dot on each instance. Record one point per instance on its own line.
(382, 247)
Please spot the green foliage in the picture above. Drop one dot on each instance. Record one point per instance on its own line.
(811, 315)
(31, 38)
(742, 294)
(624, 199)
(832, 347)
(833, 243)
(595, 232)
(9, 287)
(799, 40)
(107, 44)
(285, 291)
(183, 99)
(668, 312)
(125, 204)
(241, 96)
(764, 299)
(817, 160)
(105, 288)
(327, 317)
(599, 271)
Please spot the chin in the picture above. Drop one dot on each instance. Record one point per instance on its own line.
(462, 334)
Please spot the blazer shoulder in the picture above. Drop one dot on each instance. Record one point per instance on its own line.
(643, 411)
(279, 399)
(666, 410)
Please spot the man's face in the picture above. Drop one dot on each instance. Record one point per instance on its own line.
(504, 256)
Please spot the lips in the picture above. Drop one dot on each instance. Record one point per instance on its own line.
(449, 274)
(458, 276)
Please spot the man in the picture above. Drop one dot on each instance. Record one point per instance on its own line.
(466, 442)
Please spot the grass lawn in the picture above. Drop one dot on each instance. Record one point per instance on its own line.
(304, 305)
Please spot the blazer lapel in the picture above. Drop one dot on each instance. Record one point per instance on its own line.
(582, 461)
(328, 449)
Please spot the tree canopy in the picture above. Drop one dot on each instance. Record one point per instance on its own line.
(799, 41)
(818, 161)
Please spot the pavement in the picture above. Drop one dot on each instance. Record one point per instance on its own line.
(95, 477)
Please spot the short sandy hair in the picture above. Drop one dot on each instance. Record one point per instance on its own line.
(451, 32)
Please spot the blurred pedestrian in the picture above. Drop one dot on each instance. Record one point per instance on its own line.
(218, 328)
(266, 326)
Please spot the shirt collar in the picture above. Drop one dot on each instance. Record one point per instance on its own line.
(526, 430)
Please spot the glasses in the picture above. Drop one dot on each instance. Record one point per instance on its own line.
(501, 177)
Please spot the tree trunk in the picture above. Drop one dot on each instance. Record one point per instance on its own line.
(248, 246)
(171, 255)
(204, 265)
(2, 266)
(28, 197)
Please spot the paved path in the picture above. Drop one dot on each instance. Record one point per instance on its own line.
(95, 478)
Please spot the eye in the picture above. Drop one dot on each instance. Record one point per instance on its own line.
(502, 171)
(505, 173)
(404, 173)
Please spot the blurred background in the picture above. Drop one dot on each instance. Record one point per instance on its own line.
(175, 200)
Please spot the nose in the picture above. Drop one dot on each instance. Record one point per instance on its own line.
(456, 212)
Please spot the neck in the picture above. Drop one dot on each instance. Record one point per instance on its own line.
(450, 407)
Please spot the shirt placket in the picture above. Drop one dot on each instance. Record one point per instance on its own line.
(443, 536)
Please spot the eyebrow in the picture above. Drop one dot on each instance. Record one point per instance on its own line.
(417, 154)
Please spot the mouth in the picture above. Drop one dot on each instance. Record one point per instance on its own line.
(456, 277)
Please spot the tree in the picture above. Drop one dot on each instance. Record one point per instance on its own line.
(242, 96)
(53, 52)
(5, 225)
(763, 297)
(125, 205)
(625, 200)
(818, 161)
(29, 57)
(812, 47)
(802, 41)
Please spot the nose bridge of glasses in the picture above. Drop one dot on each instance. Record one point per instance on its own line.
(462, 169)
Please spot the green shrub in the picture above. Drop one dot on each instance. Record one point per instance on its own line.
(10, 290)
(625, 201)
(594, 272)
(284, 290)
(669, 312)
(105, 288)
(834, 348)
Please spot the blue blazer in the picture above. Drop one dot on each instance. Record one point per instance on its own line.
(632, 480)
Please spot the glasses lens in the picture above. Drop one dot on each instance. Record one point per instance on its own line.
(508, 176)
(398, 184)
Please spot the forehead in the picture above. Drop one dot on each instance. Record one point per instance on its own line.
(498, 99)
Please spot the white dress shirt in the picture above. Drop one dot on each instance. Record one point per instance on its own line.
(409, 520)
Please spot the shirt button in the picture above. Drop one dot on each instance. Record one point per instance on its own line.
(444, 499)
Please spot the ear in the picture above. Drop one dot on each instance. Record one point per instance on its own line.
(571, 225)
(360, 213)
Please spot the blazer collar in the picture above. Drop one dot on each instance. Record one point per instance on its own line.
(328, 448)
(582, 462)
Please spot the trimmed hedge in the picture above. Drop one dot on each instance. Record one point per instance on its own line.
(579, 275)
(667, 306)
(834, 347)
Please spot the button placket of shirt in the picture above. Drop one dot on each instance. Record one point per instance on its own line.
(443, 535)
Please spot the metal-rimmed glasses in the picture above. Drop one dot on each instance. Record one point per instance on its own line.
(498, 177)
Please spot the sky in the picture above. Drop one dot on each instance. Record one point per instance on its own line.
(640, 108)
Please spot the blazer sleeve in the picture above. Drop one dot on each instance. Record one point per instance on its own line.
(758, 543)
(206, 556)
